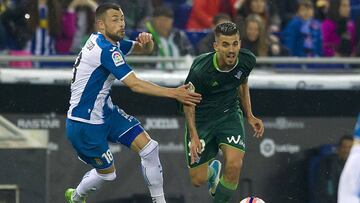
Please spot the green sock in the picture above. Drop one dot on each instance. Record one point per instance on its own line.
(210, 173)
(224, 191)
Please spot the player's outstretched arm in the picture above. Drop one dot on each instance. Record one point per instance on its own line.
(180, 93)
(144, 44)
(195, 146)
(255, 123)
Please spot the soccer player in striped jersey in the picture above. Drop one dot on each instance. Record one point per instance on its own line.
(93, 120)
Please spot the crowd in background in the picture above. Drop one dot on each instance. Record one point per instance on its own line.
(304, 28)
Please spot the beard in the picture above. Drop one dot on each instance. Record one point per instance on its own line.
(113, 37)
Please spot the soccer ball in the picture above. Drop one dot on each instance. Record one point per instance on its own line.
(252, 200)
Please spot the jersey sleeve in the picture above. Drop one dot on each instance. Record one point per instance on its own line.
(113, 60)
(249, 62)
(126, 46)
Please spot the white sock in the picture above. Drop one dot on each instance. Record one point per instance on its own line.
(76, 198)
(91, 181)
(152, 171)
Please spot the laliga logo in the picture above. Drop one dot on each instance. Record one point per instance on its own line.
(267, 147)
(117, 58)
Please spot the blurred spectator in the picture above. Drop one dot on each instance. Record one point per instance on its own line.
(3, 7)
(136, 11)
(302, 36)
(255, 38)
(169, 41)
(329, 171)
(206, 44)
(338, 30)
(286, 10)
(13, 21)
(321, 9)
(264, 9)
(52, 30)
(230, 7)
(16, 36)
(85, 18)
(202, 14)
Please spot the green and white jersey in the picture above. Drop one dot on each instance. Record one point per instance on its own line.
(219, 89)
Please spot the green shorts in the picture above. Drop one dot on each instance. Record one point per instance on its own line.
(228, 130)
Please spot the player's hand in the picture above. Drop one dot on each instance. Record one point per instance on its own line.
(195, 149)
(144, 38)
(257, 125)
(183, 95)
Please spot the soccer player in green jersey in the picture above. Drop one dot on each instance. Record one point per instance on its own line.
(221, 77)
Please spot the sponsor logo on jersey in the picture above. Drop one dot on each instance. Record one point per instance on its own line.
(90, 45)
(236, 140)
(191, 87)
(117, 58)
(214, 84)
(112, 49)
(238, 74)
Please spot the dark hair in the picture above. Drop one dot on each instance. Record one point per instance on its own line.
(345, 137)
(333, 12)
(163, 11)
(227, 28)
(103, 8)
(304, 3)
(261, 43)
(219, 17)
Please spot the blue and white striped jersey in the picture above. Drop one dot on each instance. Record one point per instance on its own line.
(98, 64)
(357, 128)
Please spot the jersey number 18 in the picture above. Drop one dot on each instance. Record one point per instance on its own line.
(76, 64)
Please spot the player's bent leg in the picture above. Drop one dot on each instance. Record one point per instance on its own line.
(228, 182)
(199, 174)
(92, 180)
(148, 150)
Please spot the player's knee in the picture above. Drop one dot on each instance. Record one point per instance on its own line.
(107, 176)
(151, 166)
(232, 171)
(150, 154)
(197, 180)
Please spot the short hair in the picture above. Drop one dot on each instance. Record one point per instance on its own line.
(219, 17)
(102, 8)
(226, 28)
(304, 3)
(163, 11)
(345, 137)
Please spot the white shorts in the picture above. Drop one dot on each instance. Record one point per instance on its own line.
(349, 185)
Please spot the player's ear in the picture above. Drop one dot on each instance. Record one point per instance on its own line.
(215, 45)
(100, 25)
